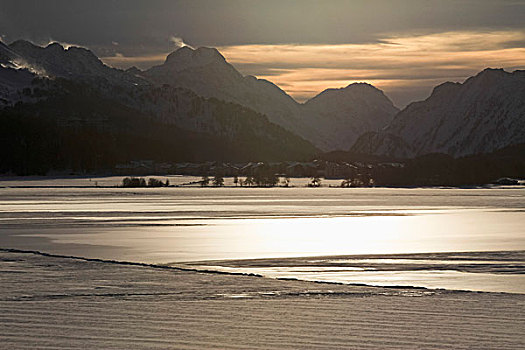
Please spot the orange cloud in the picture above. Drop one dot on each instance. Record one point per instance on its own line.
(122, 61)
(394, 64)
(406, 67)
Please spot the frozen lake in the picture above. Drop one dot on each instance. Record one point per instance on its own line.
(175, 225)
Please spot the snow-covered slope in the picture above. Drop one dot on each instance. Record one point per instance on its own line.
(13, 78)
(7, 56)
(72, 63)
(483, 114)
(13, 83)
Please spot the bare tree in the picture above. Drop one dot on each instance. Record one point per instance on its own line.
(205, 181)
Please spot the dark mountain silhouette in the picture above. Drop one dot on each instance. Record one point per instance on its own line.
(344, 114)
(349, 112)
(353, 110)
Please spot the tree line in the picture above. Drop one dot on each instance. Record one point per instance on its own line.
(141, 182)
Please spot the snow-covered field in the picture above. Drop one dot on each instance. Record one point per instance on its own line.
(64, 303)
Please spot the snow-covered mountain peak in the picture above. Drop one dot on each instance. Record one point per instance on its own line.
(56, 60)
(22, 60)
(483, 114)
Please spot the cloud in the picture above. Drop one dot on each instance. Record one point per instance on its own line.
(118, 59)
(405, 66)
(64, 44)
(122, 61)
(178, 42)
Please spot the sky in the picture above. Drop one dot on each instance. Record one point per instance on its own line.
(404, 47)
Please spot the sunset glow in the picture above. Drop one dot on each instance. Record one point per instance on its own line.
(262, 174)
(393, 64)
(406, 67)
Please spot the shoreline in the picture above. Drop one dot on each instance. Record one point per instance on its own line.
(480, 187)
(193, 181)
(66, 303)
(197, 267)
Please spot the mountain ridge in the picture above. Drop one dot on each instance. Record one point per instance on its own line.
(484, 113)
(85, 97)
(479, 115)
(207, 72)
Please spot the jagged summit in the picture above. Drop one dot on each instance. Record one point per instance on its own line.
(56, 60)
(25, 47)
(70, 62)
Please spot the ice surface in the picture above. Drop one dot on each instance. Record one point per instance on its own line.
(165, 225)
(62, 303)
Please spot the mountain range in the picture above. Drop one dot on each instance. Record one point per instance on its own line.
(65, 109)
(332, 120)
(197, 92)
(481, 115)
